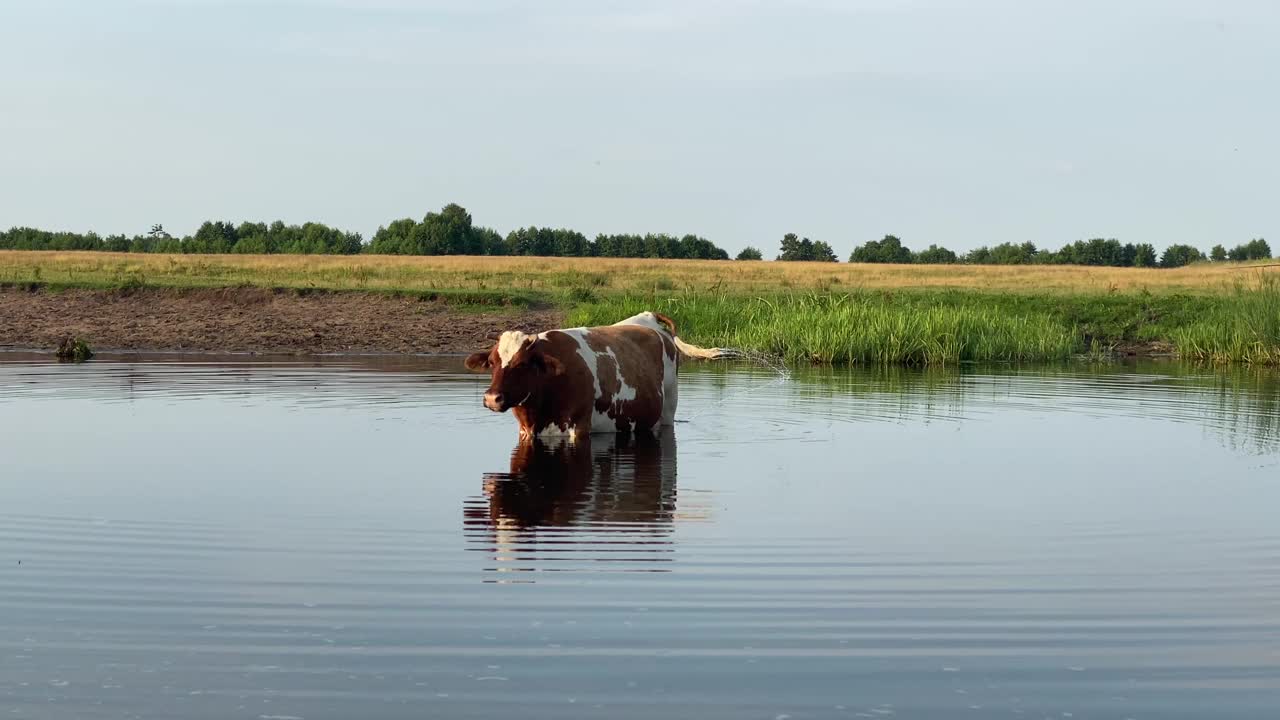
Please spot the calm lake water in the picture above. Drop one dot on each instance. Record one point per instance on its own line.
(347, 538)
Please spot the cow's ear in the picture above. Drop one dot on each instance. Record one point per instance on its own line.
(546, 363)
(478, 361)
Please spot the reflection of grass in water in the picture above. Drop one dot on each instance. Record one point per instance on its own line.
(1241, 404)
(917, 391)
(1248, 402)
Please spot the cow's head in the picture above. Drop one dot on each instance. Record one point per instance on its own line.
(520, 365)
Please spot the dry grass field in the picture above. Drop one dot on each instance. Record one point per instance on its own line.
(603, 276)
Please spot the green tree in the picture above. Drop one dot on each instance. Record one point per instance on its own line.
(632, 245)
(488, 241)
(1218, 253)
(1144, 255)
(1128, 255)
(1096, 251)
(169, 245)
(791, 249)
(1256, 249)
(447, 232)
(394, 238)
(886, 250)
(1013, 254)
(658, 246)
(570, 243)
(696, 247)
(605, 246)
(749, 253)
(801, 249)
(252, 238)
(1180, 255)
(822, 252)
(157, 232)
(935, 255)
(212, 237)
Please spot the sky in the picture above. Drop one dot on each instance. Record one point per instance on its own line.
(962, 123)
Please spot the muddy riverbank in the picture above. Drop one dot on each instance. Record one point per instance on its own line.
(254, 320)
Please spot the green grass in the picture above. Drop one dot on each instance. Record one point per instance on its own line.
(862, 328)
(931, 328)
(1242, 328)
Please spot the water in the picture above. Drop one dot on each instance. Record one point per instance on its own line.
(246, 538)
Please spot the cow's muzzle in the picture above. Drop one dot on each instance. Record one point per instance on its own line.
(495, 401)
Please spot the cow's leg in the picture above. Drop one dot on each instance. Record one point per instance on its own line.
(581, 423)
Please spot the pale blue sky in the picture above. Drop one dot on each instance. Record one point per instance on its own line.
(959, 123)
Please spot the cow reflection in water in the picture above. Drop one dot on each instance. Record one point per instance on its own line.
(603, 503)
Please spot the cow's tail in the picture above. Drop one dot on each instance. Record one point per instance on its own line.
(700, 353)
(693, 351)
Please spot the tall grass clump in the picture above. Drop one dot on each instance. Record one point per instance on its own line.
(1243, 327)
(859, 328)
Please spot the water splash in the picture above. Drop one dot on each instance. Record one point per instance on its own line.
(769, 361)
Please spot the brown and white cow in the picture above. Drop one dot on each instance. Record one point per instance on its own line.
(611, 378)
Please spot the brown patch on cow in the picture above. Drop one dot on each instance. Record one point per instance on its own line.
(669, 347)
(664, 320)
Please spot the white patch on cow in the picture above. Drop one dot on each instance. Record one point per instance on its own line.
(555, 432)
(645, 319)
(557, 441)
(670, 389)
(625, 391)
(509, 344)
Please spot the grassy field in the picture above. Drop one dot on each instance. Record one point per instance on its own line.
(831, 313)
(554, 277)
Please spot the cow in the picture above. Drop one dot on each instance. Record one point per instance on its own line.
(610, 378)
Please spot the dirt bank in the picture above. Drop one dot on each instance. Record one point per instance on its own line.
(253, 320)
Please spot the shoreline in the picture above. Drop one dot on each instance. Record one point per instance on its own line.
(253, 321)
(260, 322)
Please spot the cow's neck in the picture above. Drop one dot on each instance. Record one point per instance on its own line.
(544, 407)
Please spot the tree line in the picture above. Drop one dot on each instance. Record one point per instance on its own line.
(448, 232)
(1096, 251)
(452, 232)
(212, 237)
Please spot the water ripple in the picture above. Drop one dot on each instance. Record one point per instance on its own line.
(196, 537)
